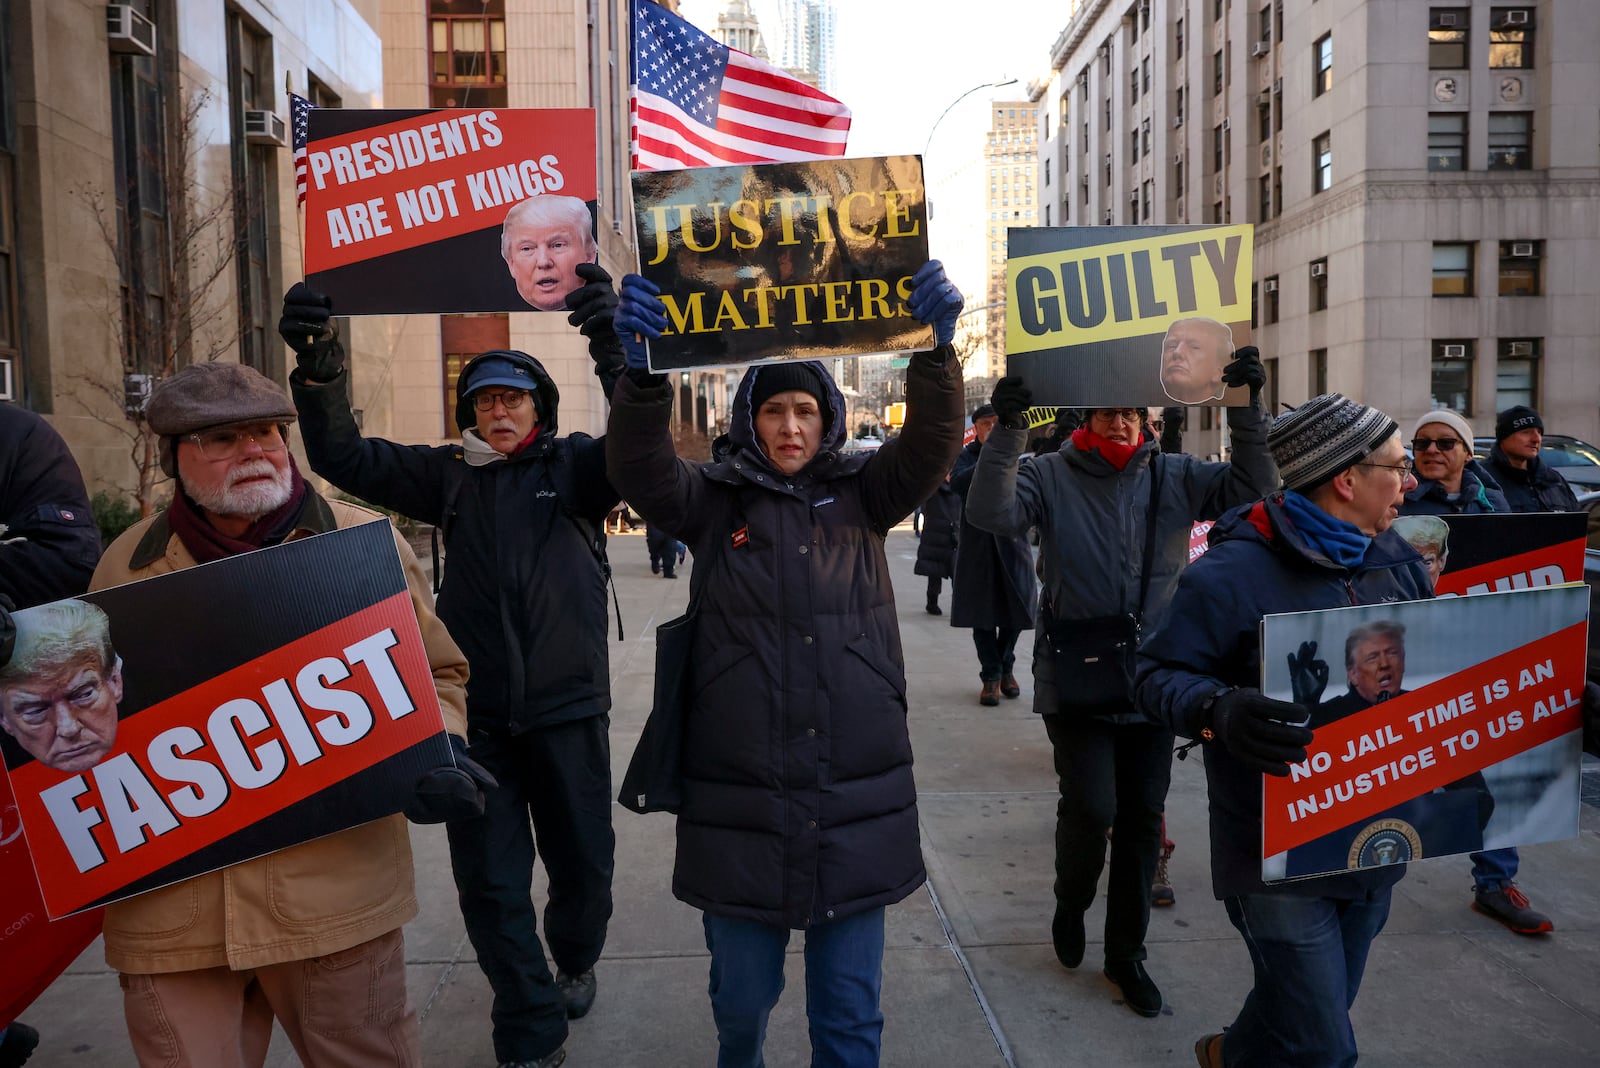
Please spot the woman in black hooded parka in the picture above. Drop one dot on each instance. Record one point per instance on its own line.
(799, 809)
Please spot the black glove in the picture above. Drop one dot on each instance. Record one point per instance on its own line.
(1246, 370)
(8, 630)
(451, 792)
(1173, 423)
(594, 310)
(1259, 731)
(308, 329)
(1308, 676)
(1011, 400)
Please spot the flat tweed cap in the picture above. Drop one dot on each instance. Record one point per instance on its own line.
(206, 395)
(1324, 436)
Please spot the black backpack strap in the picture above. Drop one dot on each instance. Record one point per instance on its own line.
(1150, 530)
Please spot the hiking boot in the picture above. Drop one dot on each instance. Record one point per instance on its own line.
(1139, 991)
(18, 1045)
(577, 991)
(1510, 906)
(1208, 1050)
(1009, 687)
(1066, 931)
(934, 609)
(550, 1061)
(1161, 894)
(990, 695)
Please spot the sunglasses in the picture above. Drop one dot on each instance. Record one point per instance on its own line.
(1442, 444)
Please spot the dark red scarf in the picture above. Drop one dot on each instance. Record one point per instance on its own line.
(1115, 452)
(206, 543)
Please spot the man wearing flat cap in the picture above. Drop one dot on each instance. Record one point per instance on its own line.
(522, 513)
(208, 963)
(1321, 542)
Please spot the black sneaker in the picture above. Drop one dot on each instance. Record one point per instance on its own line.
(1510, 906)
(553, 1060)
(934, 609)
(18, 1045)
(1139, 991)
(577, 991)
(1066, 931)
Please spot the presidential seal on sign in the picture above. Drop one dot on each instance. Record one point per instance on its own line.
(1387, 841)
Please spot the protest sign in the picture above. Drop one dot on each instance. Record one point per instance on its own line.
(406, 210)
(1468, 554)
(1447, 725)
(783, 260)
(218, 713)
(1127, 315)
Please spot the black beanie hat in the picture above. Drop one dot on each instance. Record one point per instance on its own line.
(777, 378)
(1517, 417)
(982, 411)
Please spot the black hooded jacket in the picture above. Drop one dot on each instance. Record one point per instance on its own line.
(1535, 488)
(799, 805)
(524, 593)
(48, 541)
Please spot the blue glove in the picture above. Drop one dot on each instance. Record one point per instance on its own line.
(936, 301)
(640, 314)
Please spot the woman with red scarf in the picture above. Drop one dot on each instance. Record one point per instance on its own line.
(1114, 515)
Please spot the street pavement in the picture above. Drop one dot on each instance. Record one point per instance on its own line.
(969, 975)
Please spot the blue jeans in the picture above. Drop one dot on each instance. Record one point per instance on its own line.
(844, 975)
(1494, 869)
(1309, 954)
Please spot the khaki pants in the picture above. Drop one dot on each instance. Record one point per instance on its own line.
(345, 1009)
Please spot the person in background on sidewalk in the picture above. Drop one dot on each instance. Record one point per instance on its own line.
(1514, 462)
(800, 809)
(48, 548)
(309, 936)
(524, 592)
(993, 592)
(663, 548)
(1451, 482)
(1323, 543)
(936, 552)
(1114, 519)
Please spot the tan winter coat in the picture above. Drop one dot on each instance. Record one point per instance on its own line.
(305, 901)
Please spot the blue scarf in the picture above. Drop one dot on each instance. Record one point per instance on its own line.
(1341, 542)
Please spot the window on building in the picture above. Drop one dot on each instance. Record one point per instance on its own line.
(1319, 284)
(1452, 269)
(1177, 178)
(1269, 392)
(1322, 65)
(1216, 211)
(1511, 38)
(1277, 105)
(1264, 123)
(1447, 142)
(1322, 163)
(1217, 141)
(1108, 112)
(1177, 40)
(1047, 215)
(1319, 372)
(1218, 8)
(1133, 87)
(1264, 24)
(467, 53)
(1519, 268)
(1264, 197)
(1144, 69)
(1144, 134)
(1177, 112)
(1255, 304)
(1516, 372)
(1447, 37)
(1510, 140)
(1277, 20)
(1277, 192)
(1216, 73)
(1144, 199)
(1269, 291)
(251, 85)
(1133, 144)
(1451, 379)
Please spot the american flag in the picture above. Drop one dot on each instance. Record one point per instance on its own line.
(696, 102)
(299, 123)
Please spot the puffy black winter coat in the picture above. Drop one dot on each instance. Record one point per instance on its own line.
(1535, 488)
(941, 527)
(1480, 494)
(524, 594)
(994, 584)
(799, 805)
(1257, 565)
(48, 541)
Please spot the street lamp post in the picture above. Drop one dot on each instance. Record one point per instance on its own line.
(981, 85)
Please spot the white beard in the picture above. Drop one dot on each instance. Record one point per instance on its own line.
(252, 501)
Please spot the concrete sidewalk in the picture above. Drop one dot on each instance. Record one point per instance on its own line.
(969, 974)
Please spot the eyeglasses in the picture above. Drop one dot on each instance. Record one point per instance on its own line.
(1405, 467)
(1111, 415)
(1442, 444)
(228, 444)
(511, 398)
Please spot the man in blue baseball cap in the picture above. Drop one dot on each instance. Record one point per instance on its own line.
(522, 513)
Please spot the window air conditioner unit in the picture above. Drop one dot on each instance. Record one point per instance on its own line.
(129, 32)
(1454, 352)
(1447, 19)
(1260, 48)
(1520, 348)
(265, 128)
(1269, 286)
(1522, 249)
(1133, 197)
(1264, 98)
(1319, 270)
(1516, 18)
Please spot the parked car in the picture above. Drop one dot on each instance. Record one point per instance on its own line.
(1577, 460)
(1590, 503)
